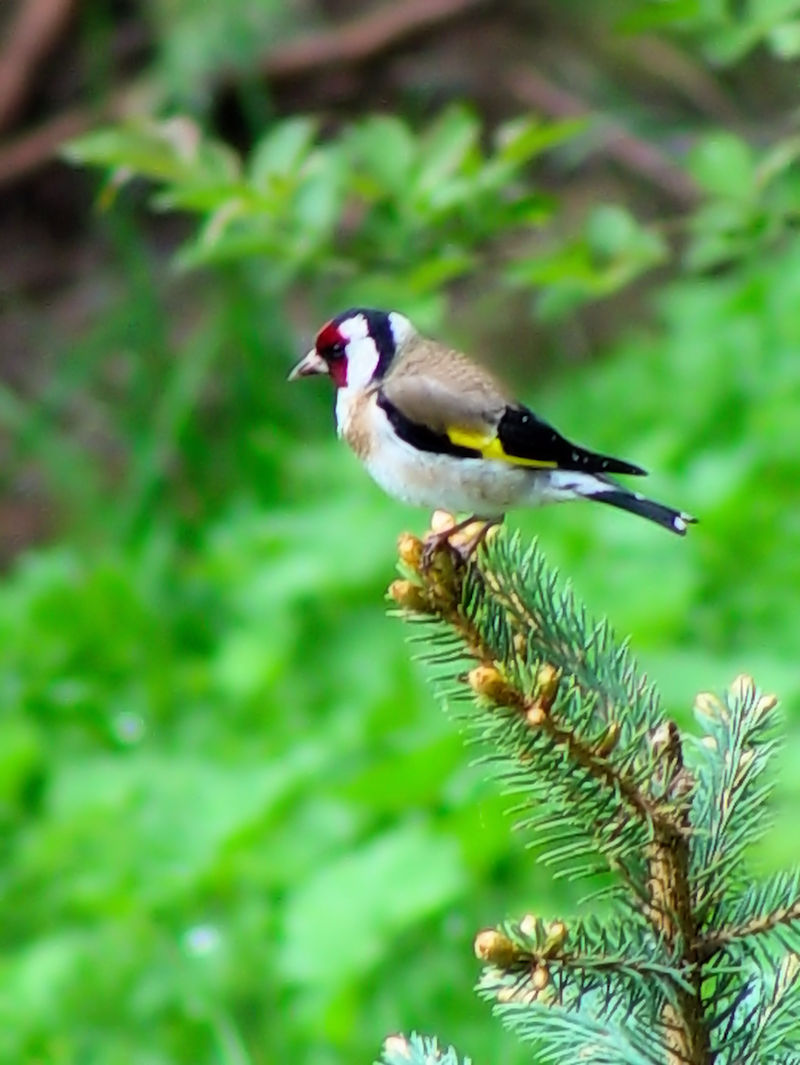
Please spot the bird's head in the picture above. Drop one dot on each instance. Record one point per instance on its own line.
(356, 347)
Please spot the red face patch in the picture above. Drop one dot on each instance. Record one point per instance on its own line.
(328, 337)
(332, 346)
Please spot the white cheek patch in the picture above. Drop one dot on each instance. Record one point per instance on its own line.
(362, 354)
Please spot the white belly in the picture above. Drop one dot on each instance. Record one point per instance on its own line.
(476, 486)
(487, 487)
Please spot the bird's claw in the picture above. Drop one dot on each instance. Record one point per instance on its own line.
(462, 538)
(433, 544)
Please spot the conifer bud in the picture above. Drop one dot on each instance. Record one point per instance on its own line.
(409, 596)
(743, 687)
(528, 926)
(536, 715)
(409, 550)
(488, 682)
(765, 705)
(547, 679)
(606, 744)
(708, 705)
(556, 937)
(495, 948)
(540, 977)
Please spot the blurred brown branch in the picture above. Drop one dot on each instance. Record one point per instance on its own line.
(641, 157)
(363, 38)
(33, 30)
(25, 154)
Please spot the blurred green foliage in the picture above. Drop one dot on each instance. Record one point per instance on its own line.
(379, 213)
(236, 827)
(726, 31)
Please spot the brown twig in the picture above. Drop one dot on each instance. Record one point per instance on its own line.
(709, 945)
(664, 60)
(672, 918)
(355, 41)
(536, 713)
(642, 158)
(33, 31)
(25, 154)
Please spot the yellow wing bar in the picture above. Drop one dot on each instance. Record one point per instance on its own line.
(491, 448)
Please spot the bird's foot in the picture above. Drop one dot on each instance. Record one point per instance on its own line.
(463, 538)
(471, 545)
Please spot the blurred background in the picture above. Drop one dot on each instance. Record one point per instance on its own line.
(236, 826)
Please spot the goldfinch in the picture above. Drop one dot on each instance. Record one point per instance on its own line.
(436, 430)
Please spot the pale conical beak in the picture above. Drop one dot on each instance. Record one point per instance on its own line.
(309, 365)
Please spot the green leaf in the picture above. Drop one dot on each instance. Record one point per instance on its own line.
(611, 231)
(615, 249)
(22, 765)
(723, 165)
(719, 234)
(436, 271)
(225, 200)
(320, 195)
(523, 139)
(444, 149)
(661, 14)
(173, 150)
(281, 151)
(384, 149)
(231, 234)
(784, 40)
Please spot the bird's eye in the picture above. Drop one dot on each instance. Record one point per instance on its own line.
(335, 351)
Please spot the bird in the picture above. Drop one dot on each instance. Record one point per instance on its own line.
(436, 429)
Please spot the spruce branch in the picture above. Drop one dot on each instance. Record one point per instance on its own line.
(616, 965)
(570, 717)
(731, 795)
(694, 964)
(581, 734)
(768, 911)
(564, 1037)
(760, 1021)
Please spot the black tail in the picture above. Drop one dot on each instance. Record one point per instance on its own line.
(674, 520)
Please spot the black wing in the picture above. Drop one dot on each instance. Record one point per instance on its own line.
(524, 436)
